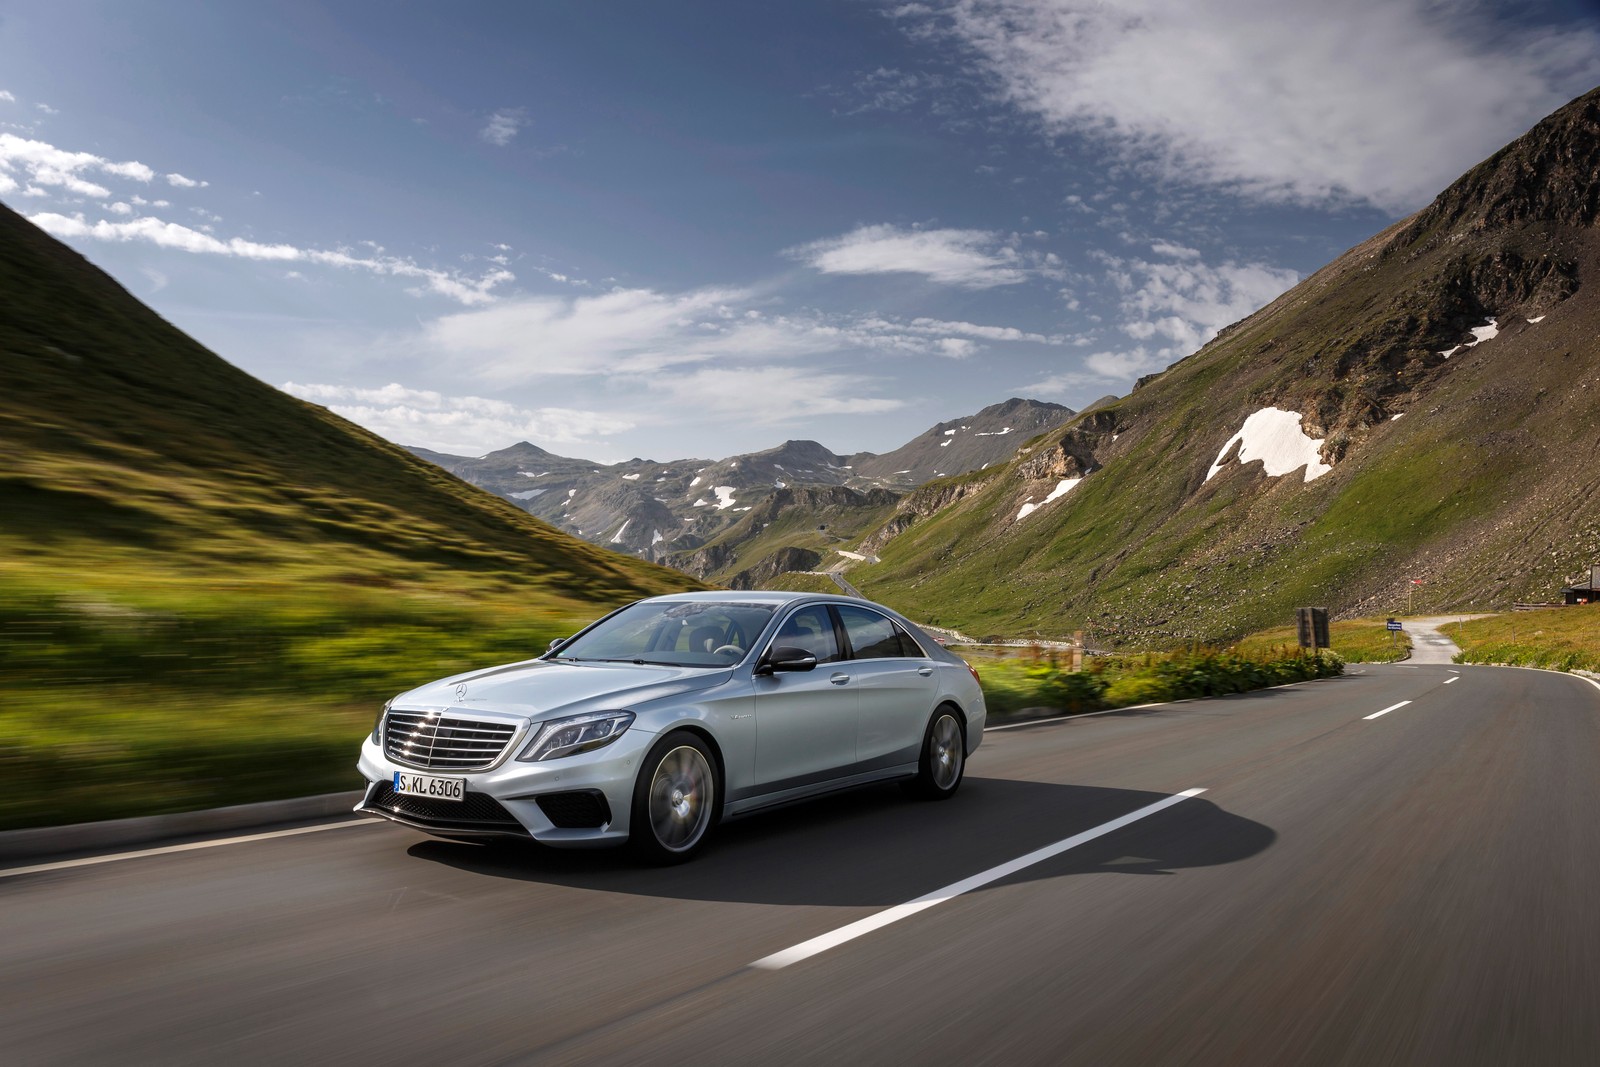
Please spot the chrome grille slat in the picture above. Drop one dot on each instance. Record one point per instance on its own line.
(437, 740)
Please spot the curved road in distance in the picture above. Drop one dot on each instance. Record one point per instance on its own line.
(1394, 867)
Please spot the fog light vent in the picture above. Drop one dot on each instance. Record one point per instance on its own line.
(576, 811)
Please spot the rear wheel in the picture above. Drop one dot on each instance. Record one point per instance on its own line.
(944, 757)
(674, 800)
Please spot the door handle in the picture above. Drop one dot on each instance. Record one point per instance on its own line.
(924, 671)
(839, 679)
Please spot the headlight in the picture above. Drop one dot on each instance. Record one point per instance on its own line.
(580, 733)
(377, 724)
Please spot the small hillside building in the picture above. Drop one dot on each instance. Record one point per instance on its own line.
(1580, 592)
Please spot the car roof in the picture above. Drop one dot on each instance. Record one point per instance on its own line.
(749, 596)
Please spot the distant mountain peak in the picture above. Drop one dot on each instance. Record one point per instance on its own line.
(1017, 403)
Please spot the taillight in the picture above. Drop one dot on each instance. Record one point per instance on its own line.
(974, 672)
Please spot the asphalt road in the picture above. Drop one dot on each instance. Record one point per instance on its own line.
(1418, 887)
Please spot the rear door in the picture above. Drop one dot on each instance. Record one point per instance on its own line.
(898, 687)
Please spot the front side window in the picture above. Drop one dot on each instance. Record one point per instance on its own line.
(810, 628)
(875, 636)
(688, 633)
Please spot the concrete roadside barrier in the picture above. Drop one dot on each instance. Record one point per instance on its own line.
(41, 841)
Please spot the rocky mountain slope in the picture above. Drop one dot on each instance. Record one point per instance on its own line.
(134, 455)
(700, 514)
(1425, 407)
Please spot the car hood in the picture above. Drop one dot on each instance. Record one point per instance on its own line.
(540, 689)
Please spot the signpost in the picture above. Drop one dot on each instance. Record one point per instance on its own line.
(1311, 626)
(1393, 626)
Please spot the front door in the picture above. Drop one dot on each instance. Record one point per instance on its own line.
(806, 720)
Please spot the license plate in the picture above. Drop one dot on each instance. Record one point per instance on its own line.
(427, 785)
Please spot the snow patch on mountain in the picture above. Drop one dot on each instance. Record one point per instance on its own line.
(724, 496)
(617, 540)
(1274, 436)
(1487, 332)
(1063, 487)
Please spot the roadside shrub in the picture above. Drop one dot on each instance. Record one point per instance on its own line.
(1123, 681)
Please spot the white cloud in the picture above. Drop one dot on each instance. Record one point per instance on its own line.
(1171, 308)
(1385, 101)
(642, 331)
(459, 287)
(624, 331)
(463, 425)
(6, 96)
(47, 109)
(774, 396)
(974, 259)
(984, 333)
(1186, 303)
(185, 183)
(45, 165)
(503, 126)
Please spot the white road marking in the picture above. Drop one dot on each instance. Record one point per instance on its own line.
(165, 850)
(1387, 710)
(1544, 670)
(1457, 678)
(807, 949)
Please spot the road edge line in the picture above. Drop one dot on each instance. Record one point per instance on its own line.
(37, 841)
(167, 850)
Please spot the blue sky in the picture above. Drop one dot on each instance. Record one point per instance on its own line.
(694, 229)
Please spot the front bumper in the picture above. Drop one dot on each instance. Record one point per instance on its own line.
(505, 801)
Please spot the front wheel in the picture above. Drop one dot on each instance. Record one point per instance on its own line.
(674, 799)
(944, 757)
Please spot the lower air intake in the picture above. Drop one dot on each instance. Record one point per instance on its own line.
(576, 811)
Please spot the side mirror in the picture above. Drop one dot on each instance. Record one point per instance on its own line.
(786, 658)
(555, 644)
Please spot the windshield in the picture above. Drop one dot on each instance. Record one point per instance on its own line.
(678, 634)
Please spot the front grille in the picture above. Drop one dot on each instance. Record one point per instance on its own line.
(576, 811)
(442, 742)
(475, 811)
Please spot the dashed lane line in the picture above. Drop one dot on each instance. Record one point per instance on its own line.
(834, 938)
(1387, 710)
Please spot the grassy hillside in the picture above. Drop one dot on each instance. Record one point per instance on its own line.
(1463, 471)
(206, 586)
(1562, 639)
(127, 444)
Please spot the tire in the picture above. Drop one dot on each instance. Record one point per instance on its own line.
(943, 762)
(676, 800)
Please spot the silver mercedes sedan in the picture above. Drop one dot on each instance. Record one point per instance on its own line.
(668, 715)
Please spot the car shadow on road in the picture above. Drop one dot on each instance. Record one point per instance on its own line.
(876, 847)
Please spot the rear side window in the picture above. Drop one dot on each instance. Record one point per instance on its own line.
(875, 636)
